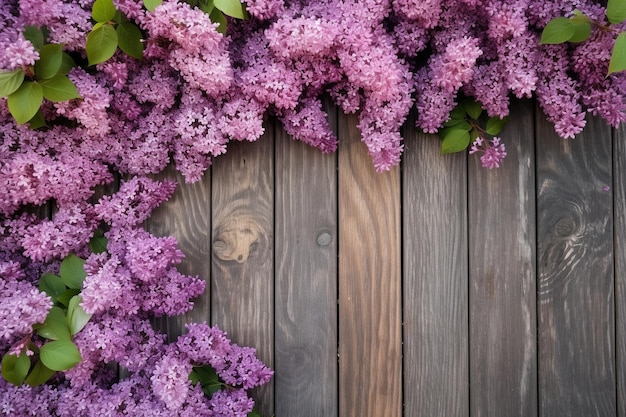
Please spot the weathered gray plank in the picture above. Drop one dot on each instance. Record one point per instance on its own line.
(575, 292)
(243, 243)
(370, 345)
(434, 201)
(187, 217)
(503, 369)
(306, 279)
(619, 197)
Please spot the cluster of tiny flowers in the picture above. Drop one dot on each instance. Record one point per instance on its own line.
(194, 91)
(493, 151)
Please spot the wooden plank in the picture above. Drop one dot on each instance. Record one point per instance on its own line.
(435, 286)
(503, 369)
(187, 217)
(619, 197)
(243, 242)
(306, 279)
(575, 292)
(370, 345)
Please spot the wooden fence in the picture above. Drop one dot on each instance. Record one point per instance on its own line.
(437, 289)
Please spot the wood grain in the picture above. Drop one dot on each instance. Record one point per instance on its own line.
(243, 256)
(306, 279)
(503, 369)
(435, 286)
(370, 340)
(576, 299)
(187, 217)
(619, 198)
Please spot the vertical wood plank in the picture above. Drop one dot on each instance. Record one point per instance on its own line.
(503, 368)
(187, 217)
(619, 198)
(306, 279)
(243, 250)
(370, 345)
(436, 357)
(576, 304)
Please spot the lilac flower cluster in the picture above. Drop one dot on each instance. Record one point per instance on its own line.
(194, 91)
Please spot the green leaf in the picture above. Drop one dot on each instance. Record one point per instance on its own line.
(152, 4)
(558, 30)
(495, 125)
(77, 318)
(10, 82)
(59, 88)
(129, 39)
(618, 56)
(52, 285)
(49, 63)
(254, 413)
(55, 327)
(67, 296)
(101, 44)
(473, 109)
(59, 355)
(39, 375)
(103, 10)
(35, 36)
(218, 17)
(582, 29)
(67, 63)
(454, 140)
(231, 8)
(72, 271)
(25, 101)
(461, 124)
(194, 377)
(37, 120)
(206, 6)
(616, 11)
(15, 368)
(98, 243)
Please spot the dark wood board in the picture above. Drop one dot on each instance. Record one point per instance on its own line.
(618, 190)
(306, 279)
(187, 217)
(503, 360)
(575, 271)
(435, 286)
(243, 250)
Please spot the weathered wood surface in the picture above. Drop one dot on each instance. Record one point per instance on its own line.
(370, 338)
(576, 281)
(503, 360)
(618, 191)
(306, 279)
(438, 289)
(435, 296)
(243, 249)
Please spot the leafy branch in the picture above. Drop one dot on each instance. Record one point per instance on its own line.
(577, 29)
(465, 125)
(36, 363)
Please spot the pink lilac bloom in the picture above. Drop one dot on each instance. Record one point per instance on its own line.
(170, 380)
(493, 151)
(134, 201)
(91, 111)
(68, 232)
(19, 54)
(438, 84)
(22, 306)
(309, 125)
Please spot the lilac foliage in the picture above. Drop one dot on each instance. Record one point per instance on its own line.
(194, 91)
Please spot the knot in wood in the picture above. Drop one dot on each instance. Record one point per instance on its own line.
(324, 239)
(236, 238)
(566, 227)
